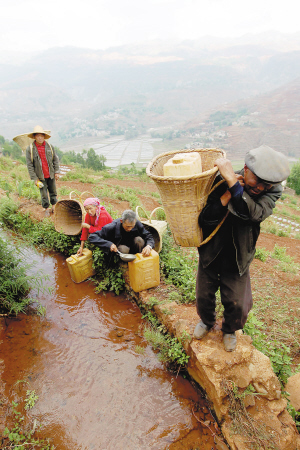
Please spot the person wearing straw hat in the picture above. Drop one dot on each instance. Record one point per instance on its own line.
(43, 167)
(244, 199)
(95, 219)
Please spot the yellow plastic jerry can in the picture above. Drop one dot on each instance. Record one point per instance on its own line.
(144, 271)
(183, 164)
(80, 267)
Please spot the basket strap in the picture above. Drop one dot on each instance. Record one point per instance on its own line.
(222, 221)
(215, 230)
(137, 212)
(216, 185)
(159, 207)
(73, 192)
(85, 192)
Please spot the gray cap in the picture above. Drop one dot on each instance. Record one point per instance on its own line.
(267, 164)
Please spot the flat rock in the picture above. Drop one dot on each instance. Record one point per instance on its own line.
(293, 388)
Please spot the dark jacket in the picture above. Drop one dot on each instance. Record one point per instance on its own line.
(242, 226)
(35, 166)
(111, 234)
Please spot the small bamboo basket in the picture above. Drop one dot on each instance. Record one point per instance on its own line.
(184, 197)
(156, 227)
(69, 214)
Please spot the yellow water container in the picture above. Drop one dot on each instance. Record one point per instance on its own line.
(144, 271)
(183, 164)
(81, 267)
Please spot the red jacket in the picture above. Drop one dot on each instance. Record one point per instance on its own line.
(104, 219)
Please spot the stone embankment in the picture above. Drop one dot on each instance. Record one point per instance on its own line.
(241, 386)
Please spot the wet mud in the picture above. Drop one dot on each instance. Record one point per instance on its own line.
(100, 385)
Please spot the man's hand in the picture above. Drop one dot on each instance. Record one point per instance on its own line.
(113, 248)
(225, 199)
(146, 250)
(226, 170)
(36, 181)
(240, 179)
(56, 176)
(79, 251)
(86, 225)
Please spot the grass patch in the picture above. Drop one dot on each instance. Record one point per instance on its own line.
(119, 193)
(23, 437)
(276, 351)
(286, 262)
(64, 190)
(15, 285)
(179, 267)
(261, 254)
(170, 349)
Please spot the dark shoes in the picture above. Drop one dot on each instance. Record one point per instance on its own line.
(229, 341)
(200, 330)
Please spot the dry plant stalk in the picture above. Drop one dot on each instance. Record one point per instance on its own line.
(256, 434)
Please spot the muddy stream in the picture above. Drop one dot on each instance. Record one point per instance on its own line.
(96, 391)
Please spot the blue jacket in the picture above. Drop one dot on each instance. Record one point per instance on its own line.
(111, 234)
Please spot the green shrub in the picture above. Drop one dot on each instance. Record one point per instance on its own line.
(293, 180)
(261, 254)
(179, 267)
(108, 271)
(170, 349)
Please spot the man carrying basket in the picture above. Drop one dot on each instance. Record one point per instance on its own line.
(247, 198)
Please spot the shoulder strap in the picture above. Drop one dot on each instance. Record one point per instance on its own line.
(51, 150)
(31, 151)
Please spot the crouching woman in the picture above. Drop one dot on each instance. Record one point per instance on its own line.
(96, 217)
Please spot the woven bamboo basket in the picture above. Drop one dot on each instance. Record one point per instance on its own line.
(156, 227)
(69, 214)
(183, 198)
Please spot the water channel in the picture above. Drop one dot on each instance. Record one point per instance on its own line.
(96, 391)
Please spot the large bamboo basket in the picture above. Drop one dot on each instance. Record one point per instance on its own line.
(183, 198)
(69, 214)
(23, 140)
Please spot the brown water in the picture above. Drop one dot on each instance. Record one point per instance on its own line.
(95, 391)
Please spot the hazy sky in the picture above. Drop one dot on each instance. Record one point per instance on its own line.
(33, 25)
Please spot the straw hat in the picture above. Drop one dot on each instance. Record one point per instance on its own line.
(38, 129)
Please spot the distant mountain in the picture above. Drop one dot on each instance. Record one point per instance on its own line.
(77, 92)
(272, 119)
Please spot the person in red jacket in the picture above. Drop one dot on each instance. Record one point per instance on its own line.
(95, 219)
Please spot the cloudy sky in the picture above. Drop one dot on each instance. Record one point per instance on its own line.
(33, 25)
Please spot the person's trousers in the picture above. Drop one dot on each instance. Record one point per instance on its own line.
(49, 186)
(136, 247)
(235, 290)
